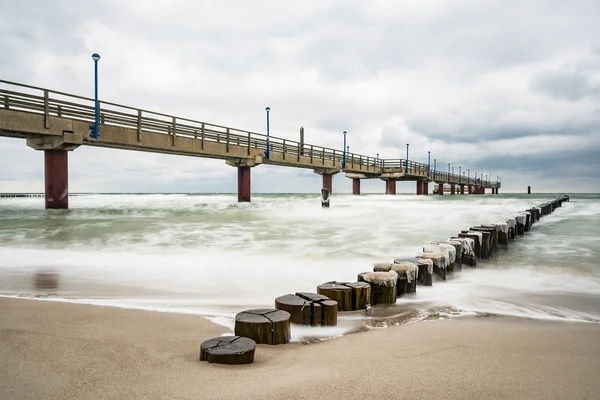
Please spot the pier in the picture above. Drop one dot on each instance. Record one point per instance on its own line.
(56, 123)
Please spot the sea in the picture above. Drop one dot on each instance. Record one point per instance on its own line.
(207, 254)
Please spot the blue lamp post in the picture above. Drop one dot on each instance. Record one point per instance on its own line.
(406, 164)
(460, 173)
(268, 153)
(475, 177)
(469, 176)
(448, 170)
(344, 159)
(428, 163)
(94, 128)
(434, 166)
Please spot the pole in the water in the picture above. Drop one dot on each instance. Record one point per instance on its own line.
(325, 197)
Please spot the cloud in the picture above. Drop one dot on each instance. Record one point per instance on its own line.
(473, 81)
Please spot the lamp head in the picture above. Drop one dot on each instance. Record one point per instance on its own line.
(267, 109)
(95, 56)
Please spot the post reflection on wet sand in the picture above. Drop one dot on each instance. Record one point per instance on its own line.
(46, 281)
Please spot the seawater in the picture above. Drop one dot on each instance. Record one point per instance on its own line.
(209, 255)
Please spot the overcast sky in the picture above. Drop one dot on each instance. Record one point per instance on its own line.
(508, 87)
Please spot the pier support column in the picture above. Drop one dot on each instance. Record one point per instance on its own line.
(243, 184)
(470, 189)
(497, 190)
(462, 189)
(56, 166)
(419, 188)
(425, 186)
(56, 178)
(356, 186)
(440, 189)
(452, 189)
(327, 174)
(390, 186)
(243, 166)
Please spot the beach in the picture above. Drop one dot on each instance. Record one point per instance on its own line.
(52, 350)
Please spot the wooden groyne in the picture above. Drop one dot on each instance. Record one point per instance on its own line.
(388, 282)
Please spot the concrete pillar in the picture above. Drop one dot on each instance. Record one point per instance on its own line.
(462, 189)
(56, 177)
(452, 189)
(355, 185)
(425, 186)
(243, 184)
(419, 188)
(440, 189)
(390, 186)
(328, 182)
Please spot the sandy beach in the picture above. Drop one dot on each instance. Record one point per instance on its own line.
(54, 350)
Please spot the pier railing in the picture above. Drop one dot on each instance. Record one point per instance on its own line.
(32, 99)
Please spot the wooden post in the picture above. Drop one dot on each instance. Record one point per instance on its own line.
(228, 350)
(264, 325)
(139, 125)
(340, 293)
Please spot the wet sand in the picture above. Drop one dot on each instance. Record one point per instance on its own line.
(68, 351)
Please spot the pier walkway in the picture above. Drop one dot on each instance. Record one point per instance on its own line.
(58, 122)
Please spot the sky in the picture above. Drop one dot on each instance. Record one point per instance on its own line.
(510, 88)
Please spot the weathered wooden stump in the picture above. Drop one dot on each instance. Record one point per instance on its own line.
(449, 250)
(228, 350)
(467, 250)
(264, 325)
(425, 266)
(407, 278)
(493, 231)
(383, 286)
(521, 219)
(382, 266)
(323, 309)
(361, 295)
(486, 241)
(337, 292)
(476, 236)
(440, 262)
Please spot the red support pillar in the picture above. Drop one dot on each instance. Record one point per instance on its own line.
(462, 189)
(56, 177)
(440, 189)
(328, 182)
(419, 188)
(469, 189)
(452, 189)
(243, 184)
(425, 186)
(355, 185)
(390, 186)
(497, 190)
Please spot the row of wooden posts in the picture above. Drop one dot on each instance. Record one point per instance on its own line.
(384, 285)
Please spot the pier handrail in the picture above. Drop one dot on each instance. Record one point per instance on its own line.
(61, 104)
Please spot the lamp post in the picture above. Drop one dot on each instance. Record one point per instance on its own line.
(468, 176)
(434, 167)
(406, 164)
(94, 134)
(428, 163)
(448, 170)
(460, 173)
(344, 159)
(268, 153)
(377, 159)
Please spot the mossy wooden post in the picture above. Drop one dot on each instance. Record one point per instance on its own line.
(425, 277)
(486, 242)
(494, 230)
(380, 293)
(264, 325)
(299, 309)
(340, 293)
(323, 309)
(228, 350)
(407, 278)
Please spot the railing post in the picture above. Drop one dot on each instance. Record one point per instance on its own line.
(248, 143)
(284, 149)
(173, 129)
(323, 154)
(59, 111)
(202, 137)
(334, 157)
(6, 101)
(311, 153)
(139, 125)
(227, 140)
(298, 152)
(46, 110)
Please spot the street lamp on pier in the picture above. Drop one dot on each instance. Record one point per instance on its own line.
(268, 152)
(460, 174)
(434, 167)
(344, 159)
(448, 170)
(406, 164)
(94, 128)
(468, 176)
(428, 163)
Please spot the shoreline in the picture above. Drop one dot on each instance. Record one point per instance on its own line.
(65, 350)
